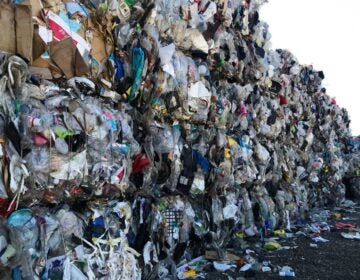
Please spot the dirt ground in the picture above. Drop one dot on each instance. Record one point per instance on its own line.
(337, 259)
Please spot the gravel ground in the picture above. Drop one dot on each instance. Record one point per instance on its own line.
(337, 259)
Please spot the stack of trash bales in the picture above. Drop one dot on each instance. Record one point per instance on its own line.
(352, 175)
(138, 134)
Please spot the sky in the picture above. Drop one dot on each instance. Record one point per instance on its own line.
(326, 34)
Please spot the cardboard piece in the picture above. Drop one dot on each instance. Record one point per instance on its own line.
(61, 31)
(53, 5)
(7, 23)
(63, 55)
(24, 29)
(68, 50)
(102, 42)
(98, 50)
(17, 29)
(36, 7)
(39, 45)
(66, 56)
(41, 62)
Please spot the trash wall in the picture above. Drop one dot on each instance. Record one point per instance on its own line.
(136, 135)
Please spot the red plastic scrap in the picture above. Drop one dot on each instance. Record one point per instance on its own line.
(140, 162)
(341, 225)
(6, 208)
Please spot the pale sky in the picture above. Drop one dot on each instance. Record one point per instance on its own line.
(326, 34)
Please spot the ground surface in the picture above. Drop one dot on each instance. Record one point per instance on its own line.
(337, 259)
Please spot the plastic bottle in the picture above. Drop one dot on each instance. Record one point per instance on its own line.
(61, 146)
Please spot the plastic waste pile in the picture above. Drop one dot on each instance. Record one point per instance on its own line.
(352, 176)
(136, 135)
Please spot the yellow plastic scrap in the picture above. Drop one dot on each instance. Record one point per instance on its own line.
(232, 141)
(272, 245)
(337, 215)
(279, 232)
(240, 235)
(190, 273)
(126, 94)
(227, 153)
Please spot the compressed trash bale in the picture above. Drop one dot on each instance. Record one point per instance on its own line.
(185, 130)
